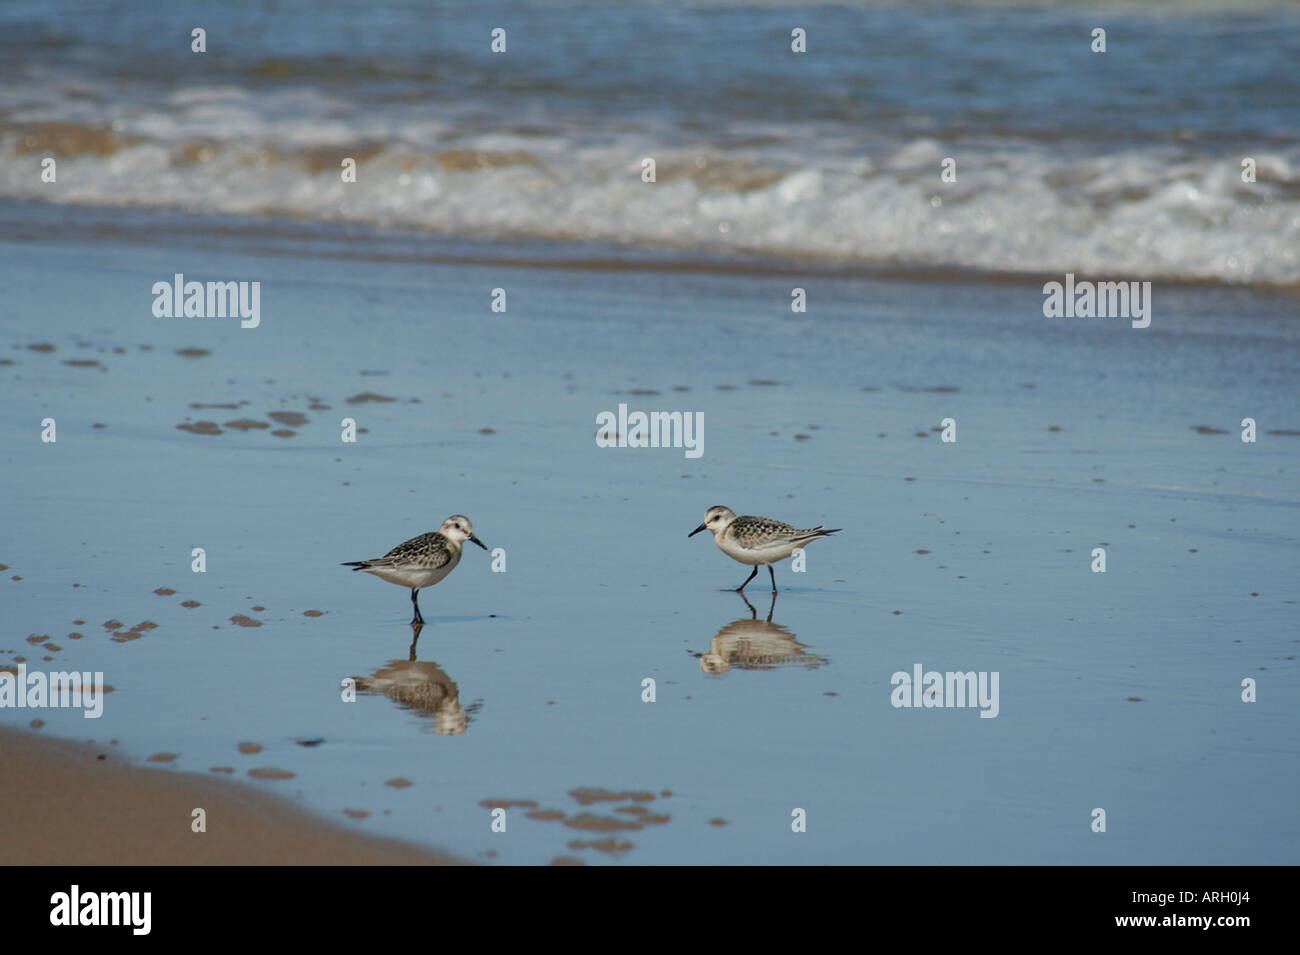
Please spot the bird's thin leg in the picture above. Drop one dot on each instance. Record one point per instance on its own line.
(748, 579)
(416, 604)
(771, 573)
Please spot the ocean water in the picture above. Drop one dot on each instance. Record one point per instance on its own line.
(1127, 161)
(527, 688)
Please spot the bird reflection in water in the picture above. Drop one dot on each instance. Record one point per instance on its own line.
(422, 687)
(753, 644)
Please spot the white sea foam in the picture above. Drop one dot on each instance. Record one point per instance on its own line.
(1159, 212)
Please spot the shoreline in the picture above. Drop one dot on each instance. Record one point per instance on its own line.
(966, 556)
(331, 239)
(81, 805)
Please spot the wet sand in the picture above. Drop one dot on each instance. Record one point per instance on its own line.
(1119, 690)
(80, 805)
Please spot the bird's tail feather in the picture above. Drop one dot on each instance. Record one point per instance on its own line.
(816, 533)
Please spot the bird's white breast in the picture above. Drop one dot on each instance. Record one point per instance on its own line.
(412, 575)
(766, 554)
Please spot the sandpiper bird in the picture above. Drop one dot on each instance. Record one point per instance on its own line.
(756, 540)
(422, 561)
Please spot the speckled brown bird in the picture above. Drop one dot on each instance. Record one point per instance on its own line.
(757, 540)
(422, 561)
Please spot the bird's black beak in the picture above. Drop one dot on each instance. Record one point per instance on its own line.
(477, 541)
(696, 531)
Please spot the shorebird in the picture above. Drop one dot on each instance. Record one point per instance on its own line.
(756, 540)
(422, 561)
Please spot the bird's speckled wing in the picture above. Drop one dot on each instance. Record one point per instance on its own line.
(754, 532)
(427, 552)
